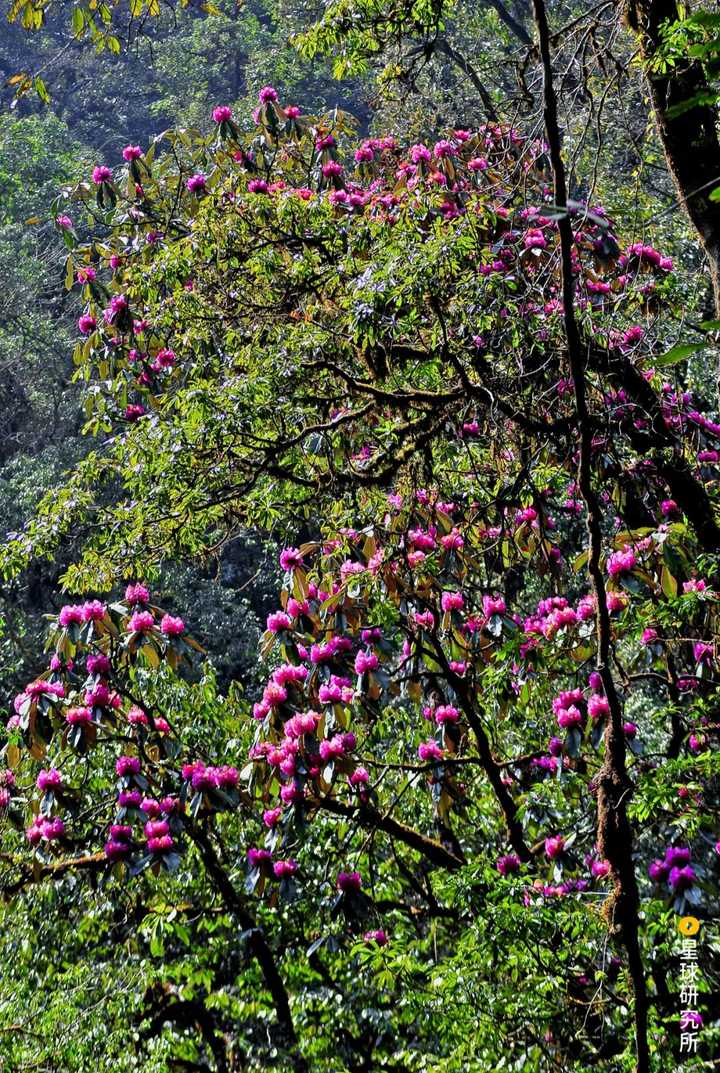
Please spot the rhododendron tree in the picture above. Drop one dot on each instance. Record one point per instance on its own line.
(492, 688)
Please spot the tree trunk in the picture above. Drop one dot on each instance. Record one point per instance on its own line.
(690, 140)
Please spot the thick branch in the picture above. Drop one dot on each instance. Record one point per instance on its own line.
(371, 817)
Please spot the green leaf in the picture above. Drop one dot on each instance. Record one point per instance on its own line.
(41, 89)
(678, 353)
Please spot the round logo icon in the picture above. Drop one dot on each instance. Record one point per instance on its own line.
(688, 925)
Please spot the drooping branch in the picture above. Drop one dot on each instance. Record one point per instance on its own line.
(371, 817)
(441, 45)
(613, 783)
(511, 22)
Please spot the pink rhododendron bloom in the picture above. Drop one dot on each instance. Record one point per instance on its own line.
(420, 154)
(115, 850)
(64, 222)
(69, 614)
(377, 936)
(633, 335)
(554, 847)
(136, 716)
(131, 152)
(291, 794)
(694, 585)
(284, 869)
(493, 605)
(366, 661)
(430, 750)
(49, 780)
(332, 169)
(267, 94)
(681, 879)
(616, 601)
(452, 601)
(101, 174)
(290, 558)
(140, 621)
(621, 562)
(222, 113)
(94, 611)
(278, 621)
(507, 864)
(256, 857)
(127, 765)
(555, 747)
(33, 833)
(129, 798)
(349, 881)
(98, 696)
(156, 828)
(137, 594)
(78, 716)
(171, 627)
(569, 718)
(196, 183)
(697, 743)
(446, 713)
(160, 844)
(271, 817)
(598, 706)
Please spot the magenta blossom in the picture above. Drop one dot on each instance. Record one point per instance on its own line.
(196, 183)
(285, 869)
(349, 881)
(49, 780)
(290, 558)
(171, 627)
(452, 601)
(430, 750)
(621, 562)
(127, 765)
(554, 847)
(377, 936)
(140, 621)
(507, 864)
(366, 661)
(256, 857)
(137, 594)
